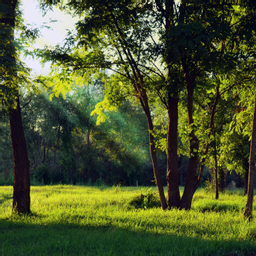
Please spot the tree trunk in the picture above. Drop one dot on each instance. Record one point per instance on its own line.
(192, 174)
(44, 154)
(172, 176)
(152, 148)
(249, 203)
(216, 182)
(190, 184)
(138, 84)
(88, 138)
(156, 170)
(246, 181)
(193, 177)
(221, 179)
(216, 167)
(21, 184)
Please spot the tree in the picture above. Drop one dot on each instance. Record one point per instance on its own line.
(9, 69)
(249, 203)
(114, 29)
(192, 40)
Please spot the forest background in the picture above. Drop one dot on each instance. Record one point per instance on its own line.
(194, 82)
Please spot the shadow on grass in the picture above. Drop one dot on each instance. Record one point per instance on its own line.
(17, 238)
(218, 207)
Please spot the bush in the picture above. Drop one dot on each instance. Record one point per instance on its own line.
(149, 200)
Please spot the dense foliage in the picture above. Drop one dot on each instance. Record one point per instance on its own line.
(182, 72)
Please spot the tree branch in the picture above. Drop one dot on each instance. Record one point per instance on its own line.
(26, 103)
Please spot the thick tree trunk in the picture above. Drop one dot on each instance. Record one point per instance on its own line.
(191, 184)
(21, 184)
(249, 203)
(172, 176)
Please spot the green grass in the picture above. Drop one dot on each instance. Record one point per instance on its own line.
(78, 220)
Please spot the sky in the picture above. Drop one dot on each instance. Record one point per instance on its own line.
(50, 37)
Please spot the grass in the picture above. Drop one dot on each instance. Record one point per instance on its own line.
(78, 220)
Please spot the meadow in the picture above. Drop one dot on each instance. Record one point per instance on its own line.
(84, 220)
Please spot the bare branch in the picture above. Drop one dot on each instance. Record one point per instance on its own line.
(27, 102)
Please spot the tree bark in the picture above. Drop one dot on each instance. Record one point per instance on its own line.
(172, 176)
(192, 175)
(216, 179)
(44, 153)
(21, 184)
(172, 172)
(246, 181)
(221, 179)
(249, 203)
(190, 184)
(216, 167)
(154, 159)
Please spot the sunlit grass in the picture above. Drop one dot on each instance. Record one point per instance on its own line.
(68, 219)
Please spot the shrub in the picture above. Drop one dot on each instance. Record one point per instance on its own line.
(149, 200)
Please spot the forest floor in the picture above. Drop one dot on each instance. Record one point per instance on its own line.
(82, 220)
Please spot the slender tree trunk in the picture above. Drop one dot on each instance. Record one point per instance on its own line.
(154, 161)
(192, 174)
(44, 154)
(88, 139)
(172, 176)
(249, 203)
(158, 180)
(47, 153)
(216, 167)
(221, 179)
(246, 181)
(21, 185)
(138, 84)
(216, 179)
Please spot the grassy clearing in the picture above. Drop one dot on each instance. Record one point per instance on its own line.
(77, 220)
